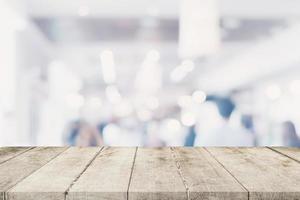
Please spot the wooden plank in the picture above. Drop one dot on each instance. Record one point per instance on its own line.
(52, 180)
(155, 176)
(7, 153)
(263, 172)
(107, 177)
(291, 152)
(14, 170)
(205, 178)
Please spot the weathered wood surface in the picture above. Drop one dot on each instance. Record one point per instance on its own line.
(107, 177)
(291, 152)
(113, 173)
(54, 179)
(204, 177)
(16, 169)
(10, 152)
(155, 176)
(263, 172)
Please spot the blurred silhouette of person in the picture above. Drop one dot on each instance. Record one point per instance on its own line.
(191, 136)
(289, 134)
(220, 132)
(247, 123)
(71, 132)
(88, 136)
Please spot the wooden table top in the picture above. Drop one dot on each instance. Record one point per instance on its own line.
(120, 173)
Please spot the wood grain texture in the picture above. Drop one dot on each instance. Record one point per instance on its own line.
(155, 176)
(111, 173)
(107, 177)
(291, 152)
(52, 180)
(263, 172)
(205, 177)
(16, 169)
(7, 153)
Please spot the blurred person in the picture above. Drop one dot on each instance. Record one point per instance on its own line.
(88, 136)
(247, 123)
(289, 134)
(71, 132)
(221, 132)
(191, 136)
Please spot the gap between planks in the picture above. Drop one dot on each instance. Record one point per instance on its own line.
(20, 153)
(85, 168)
(248, 193)
(132, 168)
(5, 194)
(177, 163)
(283, 154)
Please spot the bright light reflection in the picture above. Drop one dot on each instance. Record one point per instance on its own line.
(173, 125)
(199, 96)
(180, 72)
(188, 118)
(113, 95)
(108, 66)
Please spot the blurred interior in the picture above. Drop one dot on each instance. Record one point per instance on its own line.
(150, 73)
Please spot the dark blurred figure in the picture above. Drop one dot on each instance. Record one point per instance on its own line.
(88, 136)
(248, 124)
(80, 133)
(225, 107)
(191, 136)
(71, 132)
(289, 134)
(224, 134)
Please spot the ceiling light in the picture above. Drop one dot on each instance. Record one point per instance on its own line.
(108, 66)
(199, 29)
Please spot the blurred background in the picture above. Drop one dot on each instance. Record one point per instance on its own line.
(150, 73)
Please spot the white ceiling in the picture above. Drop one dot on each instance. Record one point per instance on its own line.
(164, 8)
(84, 58)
